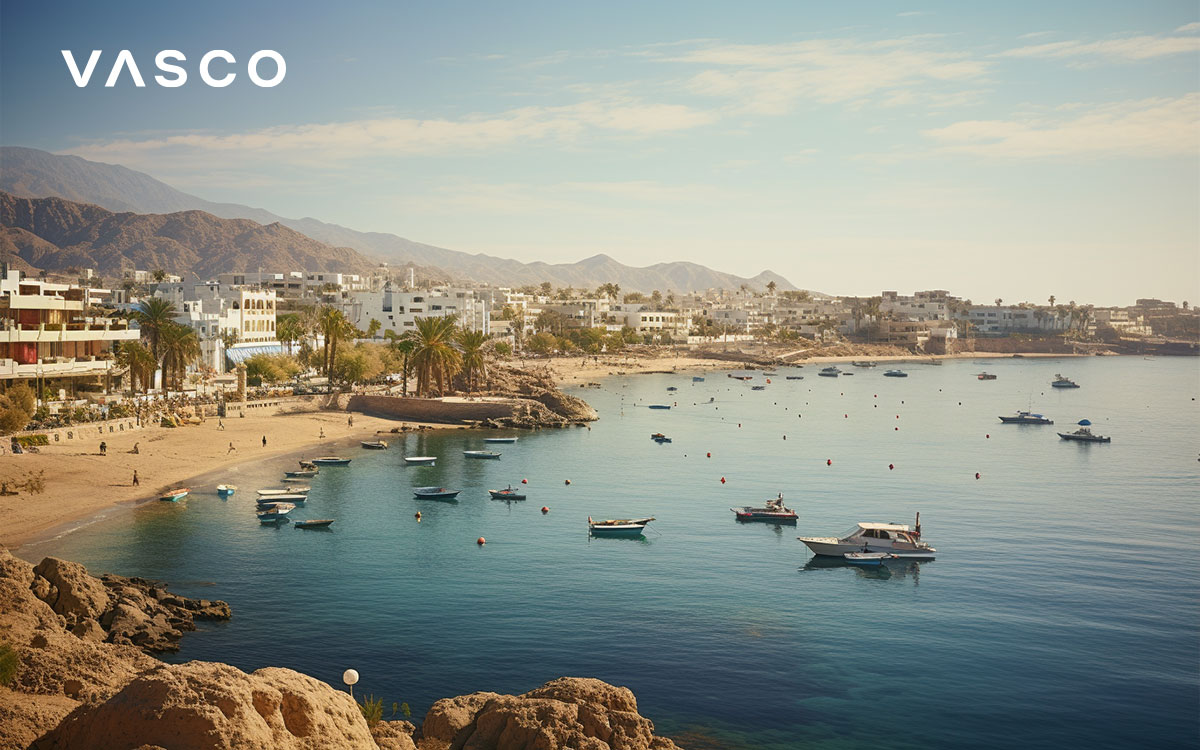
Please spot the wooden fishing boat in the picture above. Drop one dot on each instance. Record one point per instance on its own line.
(331, 461)
(275, 513)
(267, 502)
(302, 474)
(618, 526)
(774, 511)
(174, 495)
(225, 490)
(481, 454)
(316, 523)
(508, 493)
(697, 379)
(895, 374)
(374, 445)
(435, 493)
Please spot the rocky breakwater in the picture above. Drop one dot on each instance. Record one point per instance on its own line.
(538, 401)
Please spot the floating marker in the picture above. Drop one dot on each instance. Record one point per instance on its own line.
(708, 455)
(524, 481)
(545, 509)
(568, 481)
(722, 480)
(481, 541)
(989, 437)
(829, 462)
(891, 466)
(977, 475)
(418, 515)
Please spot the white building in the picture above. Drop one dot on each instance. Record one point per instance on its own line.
(397, 310)
(215, 310)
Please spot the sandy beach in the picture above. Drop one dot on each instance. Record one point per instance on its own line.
(81, 483)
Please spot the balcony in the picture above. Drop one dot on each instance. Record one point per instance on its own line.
(57, 367)
(16, 333)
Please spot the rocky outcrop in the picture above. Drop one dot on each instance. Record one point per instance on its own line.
(82, 684)
(539, 401)
(570, 713)
(205, 706)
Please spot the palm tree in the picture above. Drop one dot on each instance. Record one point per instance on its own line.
(140, 363)
(404, 345)
(771, 286)
(1052, 298)
(435, 357)
(289, 329)
(474, 363)
(153, 315)
(335, 327)
(181, 347)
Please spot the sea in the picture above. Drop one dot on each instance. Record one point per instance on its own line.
(1063, 609)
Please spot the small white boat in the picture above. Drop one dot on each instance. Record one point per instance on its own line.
(481, 454)
(500, 440)
(507, 493)
(894, 538)
(275, 513)
(435, 493)
(316, 523)
(302, 474)
(618, 526)
(829, 372)
(867, 558)
(420, 460)
(375, 445)
(225, 490)
(285, 491)
(330, 461)
(174, 495)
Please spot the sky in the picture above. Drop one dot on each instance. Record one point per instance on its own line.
(997, 150)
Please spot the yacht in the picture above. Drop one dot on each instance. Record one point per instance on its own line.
(895, 374)
(829, 372)
(1061, 382)
(1084, 435)
(896, 538)
(774, 511)
(1026, 417)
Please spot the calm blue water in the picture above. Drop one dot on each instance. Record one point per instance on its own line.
(1063, 609)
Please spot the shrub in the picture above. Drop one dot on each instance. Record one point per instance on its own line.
(503, 348)
(8, 664)
(372, 709)
(27, 440)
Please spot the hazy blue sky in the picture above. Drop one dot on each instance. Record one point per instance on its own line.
(1010, 150)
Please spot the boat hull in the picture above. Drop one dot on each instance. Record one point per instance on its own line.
(505, 495)
(331, 461)
(767, 517)
(500, 440)
(1082, 439)
(1025, 420)
(485, 455)
(830, 547)
(420, 460)
(620, 531)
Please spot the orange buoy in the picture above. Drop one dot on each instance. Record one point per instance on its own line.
(545, 509)
(708, 455)
(567, 481)
(847, 416)
(524, 481)
(722, 480)
(829, 462)
(481, 541)
(977, 475)
(897, 429)
(989, 437)
(891, 466)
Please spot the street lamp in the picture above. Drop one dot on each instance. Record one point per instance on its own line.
(38, 383)
(350, 677)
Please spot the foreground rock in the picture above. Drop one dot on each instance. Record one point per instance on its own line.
(81, 684)
(570, 713)
(205, 706)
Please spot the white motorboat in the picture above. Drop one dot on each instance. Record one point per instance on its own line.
(420, 460)
(618, 526)
(897, 538)
(285, 491)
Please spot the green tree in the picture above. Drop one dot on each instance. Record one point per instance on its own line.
(160, 275)
(153, 315)
(139, 362)
(404, 346)
(435, 357)
(474, 358)
(541, 343)
(289, 329)
(335, 328)
(373, 328)
(181, 348)
(16, 408)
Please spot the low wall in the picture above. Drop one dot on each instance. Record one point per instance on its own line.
(430, 409)
(86, 431)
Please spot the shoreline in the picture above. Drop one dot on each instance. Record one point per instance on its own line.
(84, 487)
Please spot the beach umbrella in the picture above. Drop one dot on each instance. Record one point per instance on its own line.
(1085, 423)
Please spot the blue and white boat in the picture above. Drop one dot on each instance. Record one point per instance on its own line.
(276, 513)
(660, 406)
(174, 495)
(829, 372)
(481, 454)
(331, 461)
(895, 374)
(1026, 417)
(273, 500)
(1061, 382)
(627, 527)
(225, 490)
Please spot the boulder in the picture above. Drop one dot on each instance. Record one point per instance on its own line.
(207, 706)
(570, 713)
(394, 735)
(79, 595)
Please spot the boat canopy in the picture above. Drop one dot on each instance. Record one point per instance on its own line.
(885, 526)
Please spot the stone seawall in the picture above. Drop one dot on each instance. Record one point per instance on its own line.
(431, 409)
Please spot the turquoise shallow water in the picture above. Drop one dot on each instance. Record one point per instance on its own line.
(1063, 609)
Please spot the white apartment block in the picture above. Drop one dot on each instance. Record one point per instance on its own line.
(212, 309)
(397, 310)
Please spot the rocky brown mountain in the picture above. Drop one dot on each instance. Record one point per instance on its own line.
(54, 234)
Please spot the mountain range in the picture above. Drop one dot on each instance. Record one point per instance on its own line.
(31, 173)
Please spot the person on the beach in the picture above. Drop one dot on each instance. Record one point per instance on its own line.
(350, 421)
(103, 448)
(135, 478)
(264, 441)
(231, 448)
(322, 436)
(220, 424)
(135, 450)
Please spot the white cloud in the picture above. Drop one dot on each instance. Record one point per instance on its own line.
(331, 143)
(774, 78)
(1188, 28)
(1144, 128)
(1142, 47)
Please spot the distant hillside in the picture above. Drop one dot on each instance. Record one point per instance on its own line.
(32, 173)
(54, 234)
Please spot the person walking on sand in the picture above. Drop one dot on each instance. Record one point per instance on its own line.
(264, 441)
(220, 424)
(135, 478)
(322, 435)
(231, 448)
(350, 421)
(103, 448)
